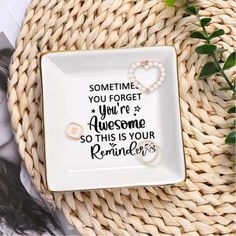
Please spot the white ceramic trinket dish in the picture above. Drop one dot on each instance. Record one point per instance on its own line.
(101, 130)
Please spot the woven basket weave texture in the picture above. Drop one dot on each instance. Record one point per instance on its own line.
(205, 203)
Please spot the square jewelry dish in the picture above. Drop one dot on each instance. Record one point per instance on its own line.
(108, 114)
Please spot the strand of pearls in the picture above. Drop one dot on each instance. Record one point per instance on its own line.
(147, 64)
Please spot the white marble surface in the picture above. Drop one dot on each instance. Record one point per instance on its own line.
(11, 17)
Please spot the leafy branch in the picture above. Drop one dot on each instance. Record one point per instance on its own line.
(213, 67)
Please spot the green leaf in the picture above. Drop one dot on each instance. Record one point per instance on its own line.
(205, 21)
(206, 49)
(207, 70)
(216, 33)
(191, 10)
(197, 35)
(231, 61)
(232, 109)
(170, 3)
(231, 138)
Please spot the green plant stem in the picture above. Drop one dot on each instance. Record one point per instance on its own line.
(215, 59)
(223, 73)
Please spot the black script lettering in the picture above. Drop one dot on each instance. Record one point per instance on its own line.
(97, 153)
(99, 126)
(107, 110)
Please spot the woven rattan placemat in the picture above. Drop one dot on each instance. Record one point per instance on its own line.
(204, 204)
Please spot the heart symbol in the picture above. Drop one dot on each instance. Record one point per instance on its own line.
(147, 65)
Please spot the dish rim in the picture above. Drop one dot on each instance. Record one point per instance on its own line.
(43, 54)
